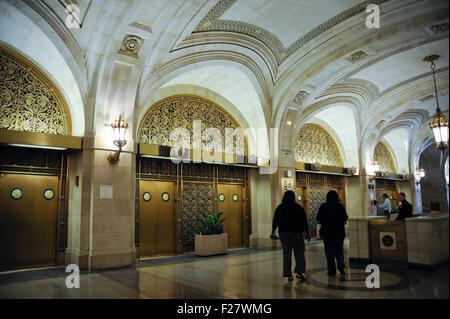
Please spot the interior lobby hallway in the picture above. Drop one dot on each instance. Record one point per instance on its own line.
(248, 273)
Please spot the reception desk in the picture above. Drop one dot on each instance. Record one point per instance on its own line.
(420, 242)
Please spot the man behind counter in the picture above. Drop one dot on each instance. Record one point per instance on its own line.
(405, 209)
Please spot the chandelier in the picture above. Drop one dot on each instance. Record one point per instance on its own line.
(439, 123)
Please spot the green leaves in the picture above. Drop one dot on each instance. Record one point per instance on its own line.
(211, 225)
(394, 209)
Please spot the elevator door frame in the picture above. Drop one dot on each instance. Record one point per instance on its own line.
(176, 246)
(179, 178)
(60, 224)
(326, 187)
(242, 201)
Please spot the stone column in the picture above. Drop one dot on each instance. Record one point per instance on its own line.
(101, 209)
(261, 212)
(79, 206)
(102, 206)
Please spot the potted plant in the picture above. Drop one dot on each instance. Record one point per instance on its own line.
(210, 238)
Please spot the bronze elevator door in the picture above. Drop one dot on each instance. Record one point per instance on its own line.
(157, 218)
(28, 226)
(233, 212)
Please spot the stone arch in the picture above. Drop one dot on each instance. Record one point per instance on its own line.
(384, 157)
(29, 100)
(313, 144)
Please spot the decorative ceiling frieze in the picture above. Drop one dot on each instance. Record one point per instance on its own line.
(413, 79)
(212, 22)
(357, 56)
(346, 78)
(375, 93)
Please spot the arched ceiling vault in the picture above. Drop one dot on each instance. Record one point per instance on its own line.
(291, 59)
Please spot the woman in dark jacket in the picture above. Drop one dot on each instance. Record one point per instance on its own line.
(332, 218)
(290, 219)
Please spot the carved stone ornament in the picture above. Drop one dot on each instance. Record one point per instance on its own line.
(357, 56)
(131, 45)
(301, 96)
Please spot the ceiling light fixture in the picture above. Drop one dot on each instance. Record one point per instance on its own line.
(439, 123)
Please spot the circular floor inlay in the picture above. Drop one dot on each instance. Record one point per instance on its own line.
(355, 280)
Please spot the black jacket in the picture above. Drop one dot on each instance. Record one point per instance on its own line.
(290, 218)
(404, 211)
(332, 218)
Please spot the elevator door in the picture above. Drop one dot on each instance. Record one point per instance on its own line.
(28, 220)
(157, 218)
(230, 203)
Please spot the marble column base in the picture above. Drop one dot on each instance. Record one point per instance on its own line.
(111, 261)
(80, 259)
(263, 242)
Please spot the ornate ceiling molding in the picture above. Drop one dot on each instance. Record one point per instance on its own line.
(346, 78)
(371, 87)
(212, 22)
(411, 80)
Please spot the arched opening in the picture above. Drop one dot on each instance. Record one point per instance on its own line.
(33, 187)
(175, 197)
(383, 156)
(316, 148)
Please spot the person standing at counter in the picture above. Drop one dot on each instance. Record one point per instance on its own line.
(386, 206)
(405, 209)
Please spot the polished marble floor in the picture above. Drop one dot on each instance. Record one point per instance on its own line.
(247, 273)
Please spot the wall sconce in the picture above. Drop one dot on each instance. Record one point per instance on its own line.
(119, 133)
(419, 174)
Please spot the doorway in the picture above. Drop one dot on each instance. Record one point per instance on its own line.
(157, 218)
(230, 202)
(28, 220)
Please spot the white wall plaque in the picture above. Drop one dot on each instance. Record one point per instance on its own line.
(106, 191)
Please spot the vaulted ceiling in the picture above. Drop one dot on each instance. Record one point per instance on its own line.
(276, 61)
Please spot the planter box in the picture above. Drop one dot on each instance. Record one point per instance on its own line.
(208, 245)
